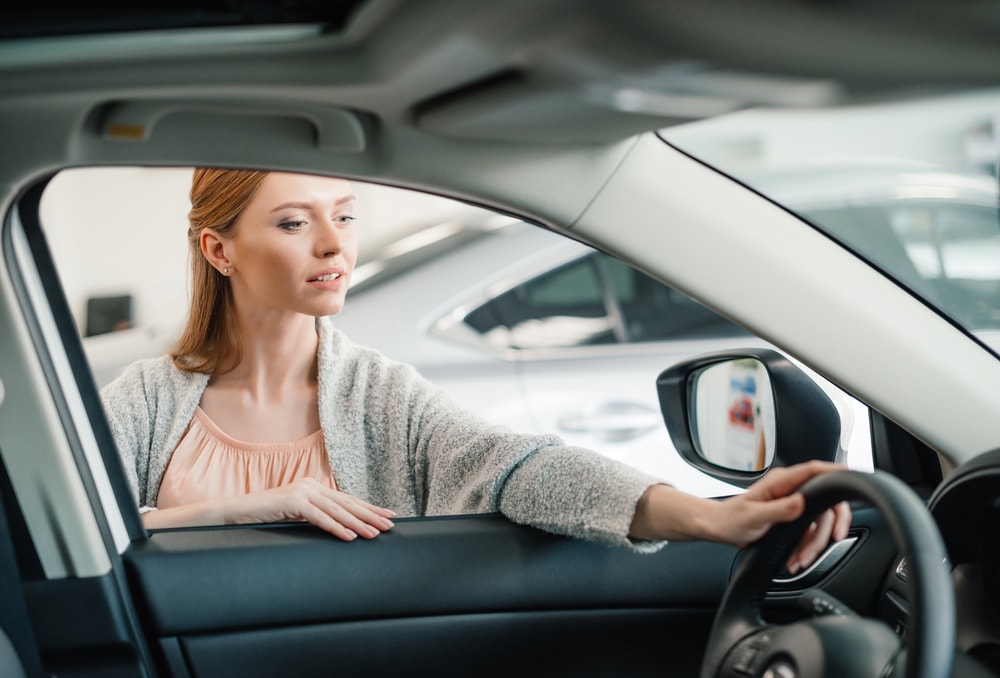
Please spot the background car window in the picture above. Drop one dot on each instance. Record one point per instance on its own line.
(565, 307)
(653, 311)
(596, 299)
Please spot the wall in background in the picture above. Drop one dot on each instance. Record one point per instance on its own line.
(122, 231)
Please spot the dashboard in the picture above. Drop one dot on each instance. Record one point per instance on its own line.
(966, 507)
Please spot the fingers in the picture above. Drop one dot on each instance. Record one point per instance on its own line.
(774, 499)
(357, 517)
(759, 516)
(833, 523)
(813, 542)
(842, 520)
(780, 482)
(338, 526)
(342, 515)
(745, 519)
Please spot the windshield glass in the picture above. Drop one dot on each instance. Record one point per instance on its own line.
(910, 186)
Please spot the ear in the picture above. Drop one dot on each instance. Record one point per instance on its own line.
(213, 248)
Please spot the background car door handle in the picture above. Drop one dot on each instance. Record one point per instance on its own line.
(613, 422)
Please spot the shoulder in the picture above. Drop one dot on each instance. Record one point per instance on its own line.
(149, 376)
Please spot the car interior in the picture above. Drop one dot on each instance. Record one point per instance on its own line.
(557, 113)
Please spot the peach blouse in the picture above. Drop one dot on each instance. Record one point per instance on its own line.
(208, 463)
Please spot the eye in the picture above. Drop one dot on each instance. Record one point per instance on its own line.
(344, 219)
(291, 225)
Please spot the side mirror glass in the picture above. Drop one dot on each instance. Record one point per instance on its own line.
(733, 415)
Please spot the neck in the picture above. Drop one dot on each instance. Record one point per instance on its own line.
(279, 354)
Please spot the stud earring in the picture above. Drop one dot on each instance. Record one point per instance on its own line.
(226, 271)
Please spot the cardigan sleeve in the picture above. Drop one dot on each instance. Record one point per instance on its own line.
(464, 464)
(127, 410)
(577, 492)
(149, 407)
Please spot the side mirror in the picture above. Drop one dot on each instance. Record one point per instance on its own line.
(735, 414)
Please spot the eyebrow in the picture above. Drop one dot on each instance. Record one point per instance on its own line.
(305, 205)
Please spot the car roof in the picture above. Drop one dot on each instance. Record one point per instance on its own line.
(537, 108)
(490, 91)
(524, 71)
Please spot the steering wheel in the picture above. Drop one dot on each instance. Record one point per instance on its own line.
(838, 642)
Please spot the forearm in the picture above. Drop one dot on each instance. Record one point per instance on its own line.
(665, 513)
(208, 512)
(576, 492)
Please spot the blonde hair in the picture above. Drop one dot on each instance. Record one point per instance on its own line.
(211, 343)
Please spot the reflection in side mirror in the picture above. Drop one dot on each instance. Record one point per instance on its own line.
(733, 415)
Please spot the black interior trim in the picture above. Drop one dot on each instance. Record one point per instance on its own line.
(559, 643)
(113, 596)
(899, 452)
(493, 596)
(850, 581)
(67, 17)
(273, 599)
(18, 651)
(228, 579)
(28, 562)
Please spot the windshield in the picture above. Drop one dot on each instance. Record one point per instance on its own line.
(910, 186)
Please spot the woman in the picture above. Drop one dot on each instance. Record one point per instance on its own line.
(265, 412)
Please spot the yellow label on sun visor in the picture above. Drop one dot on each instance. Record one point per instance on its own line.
(126, 131)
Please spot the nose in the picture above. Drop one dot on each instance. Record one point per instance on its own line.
(329, 239)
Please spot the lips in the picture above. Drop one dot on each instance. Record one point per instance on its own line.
(327, 275)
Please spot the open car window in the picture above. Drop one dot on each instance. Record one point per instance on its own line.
(530, 329)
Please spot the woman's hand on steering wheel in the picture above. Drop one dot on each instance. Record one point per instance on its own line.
(664, 512)
(775, 499)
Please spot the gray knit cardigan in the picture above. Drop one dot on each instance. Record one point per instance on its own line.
(398, 441)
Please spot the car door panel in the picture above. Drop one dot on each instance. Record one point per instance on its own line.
(572, 643)
(241, 601)
(289, 599)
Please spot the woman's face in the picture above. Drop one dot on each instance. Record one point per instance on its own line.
(294, 247)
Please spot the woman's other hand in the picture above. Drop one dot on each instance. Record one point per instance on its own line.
(342, 515)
